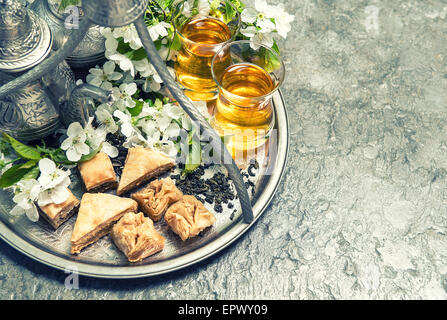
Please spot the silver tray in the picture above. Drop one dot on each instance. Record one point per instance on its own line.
(104, 260)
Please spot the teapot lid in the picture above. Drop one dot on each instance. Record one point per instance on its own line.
(25, 39)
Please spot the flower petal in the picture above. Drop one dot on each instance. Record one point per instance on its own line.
(73, 155)
(74, 129)
(59, 195)
(32, 213)
(109, 67)
(47, 166)
(82, 148)
(110, 150)
(249, 15)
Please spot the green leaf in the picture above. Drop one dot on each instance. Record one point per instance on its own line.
(275, 47)
(137, 55)
(158, 104)
(89, 156)
(18, 172)
(214, 5)
(67, 3)
(135, 111)
(5, 146)
(230, 13)
(125, 49)
(270, 61)
(122, 46)
(33, 173)
(176, 43)
(23, 150)
(168, 3)
(194, 157)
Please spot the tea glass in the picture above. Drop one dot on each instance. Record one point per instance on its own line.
(248, 78)
(202, 36)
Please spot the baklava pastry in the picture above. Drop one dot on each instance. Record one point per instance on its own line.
(155, 199)
(98, 174)
(97, 214)
(136, 237)
(57, 214)
(188, 217)
(141, 165)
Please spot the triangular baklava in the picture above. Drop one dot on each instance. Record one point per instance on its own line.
(141, 165)
(136, 237)
(97, 213)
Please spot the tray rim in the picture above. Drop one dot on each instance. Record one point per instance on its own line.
(214, 246)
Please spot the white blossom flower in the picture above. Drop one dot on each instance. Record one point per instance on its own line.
(147, 111)
(204, 7)
(54, 183)
(56, 195)
(249, 31)
(265, 13)
(168, 147)
(94, 137)
(263, 38)
(112, 54)
(51, 176)
(173, 111)
(127, 129)
(111, 43)
(268, 19)
(159, 30)
(123, 95)
(97, 139)
(249, 15)
(26, 193)
(151, 85)
(186, 9)
(75, 145)
(172, 131)
(257, 38)
(103, 77)
(123, 61)
(110, 150)
(144, 67)
(130, 35)
(104, 116)
(135, 139)
(282, 20)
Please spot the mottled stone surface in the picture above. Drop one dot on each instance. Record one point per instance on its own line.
(361, 212)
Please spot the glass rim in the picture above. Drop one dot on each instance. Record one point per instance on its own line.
(233, 36)
(219, 85)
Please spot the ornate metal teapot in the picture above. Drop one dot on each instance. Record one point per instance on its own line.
(89, 52)
(39, 108)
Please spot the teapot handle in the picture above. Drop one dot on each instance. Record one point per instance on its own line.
(79, 108)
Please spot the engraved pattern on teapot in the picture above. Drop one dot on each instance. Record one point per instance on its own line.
(90, 50)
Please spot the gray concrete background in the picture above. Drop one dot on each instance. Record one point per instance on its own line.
(361, 212)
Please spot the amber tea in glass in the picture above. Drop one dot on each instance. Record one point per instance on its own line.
(201, 37)
(244, 112)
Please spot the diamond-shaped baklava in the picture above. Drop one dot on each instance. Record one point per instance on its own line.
(155, 199)
(135, 235)
(188, 217)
